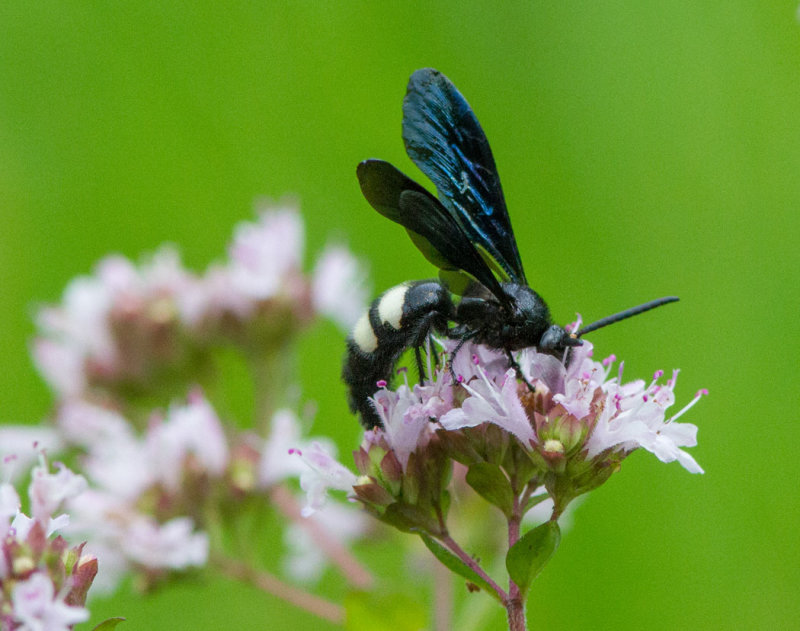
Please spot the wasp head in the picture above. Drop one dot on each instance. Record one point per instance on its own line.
(529, 323)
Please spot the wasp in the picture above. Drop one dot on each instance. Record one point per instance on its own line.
(465, 232)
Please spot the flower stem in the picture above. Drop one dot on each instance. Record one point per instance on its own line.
(273, 585)
(515, 605)
(469, 561)
(349, 566)
(273, 371)
(442, 598)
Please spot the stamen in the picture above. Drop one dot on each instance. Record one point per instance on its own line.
(573, 327)
(381, 383)
(609, 360)
(475, 359)
(656, 375)
(700, 393)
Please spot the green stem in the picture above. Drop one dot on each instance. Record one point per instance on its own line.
(274, 371)
(273, 585)
(456, 549)
(514, 603)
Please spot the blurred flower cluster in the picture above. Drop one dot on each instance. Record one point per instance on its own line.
(130, 355)
(43, 581)
(129, 327)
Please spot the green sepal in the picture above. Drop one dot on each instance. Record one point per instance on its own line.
(370, 611)
(527, 558)
(453, 563)
(491, 484)
(108, 624)
(410, 518)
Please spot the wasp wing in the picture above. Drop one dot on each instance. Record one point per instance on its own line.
(444, 139)
(433, 229)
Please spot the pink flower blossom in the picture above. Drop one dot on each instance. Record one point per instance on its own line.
(405, 414)
(25, 443)
(612, 416)
(172, 545)
(122, 537)
(279, 452)
(266, 255)
(489, 402)
(338, 288)
(48, 491)
(37, 607)
(324, 472)
(192, 430)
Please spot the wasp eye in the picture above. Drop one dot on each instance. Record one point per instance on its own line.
(553, 339)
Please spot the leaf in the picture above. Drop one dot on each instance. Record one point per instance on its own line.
(409, 518)
(453, 563)
(383, 612)
(492, 485)
(527, 558)
(109, 624)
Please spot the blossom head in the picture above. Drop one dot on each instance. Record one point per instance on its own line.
(576, 422)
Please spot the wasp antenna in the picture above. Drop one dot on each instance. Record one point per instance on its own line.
(623, 315)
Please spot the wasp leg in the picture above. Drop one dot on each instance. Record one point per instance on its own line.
(462, 339)
(420, 367)
(518, 370)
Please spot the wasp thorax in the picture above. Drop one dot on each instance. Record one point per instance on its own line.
(528, 320)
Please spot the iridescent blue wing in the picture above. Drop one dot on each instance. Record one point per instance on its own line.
(445, 140)
(432, 227)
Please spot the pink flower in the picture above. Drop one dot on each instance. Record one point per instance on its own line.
(37, 607)
(490, 402)
(123, 537)
(48, 491)
(279, 452)
(267, 254)
(587, 404)
(635, 416)
(25, 443)
(192, 430)
(324, 472)
(338, 288)
(173, 545)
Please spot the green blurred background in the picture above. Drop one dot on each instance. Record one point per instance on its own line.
(645, 149)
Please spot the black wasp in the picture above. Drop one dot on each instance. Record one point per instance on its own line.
(466, 233)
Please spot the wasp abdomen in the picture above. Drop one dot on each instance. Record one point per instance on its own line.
(399, 319)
